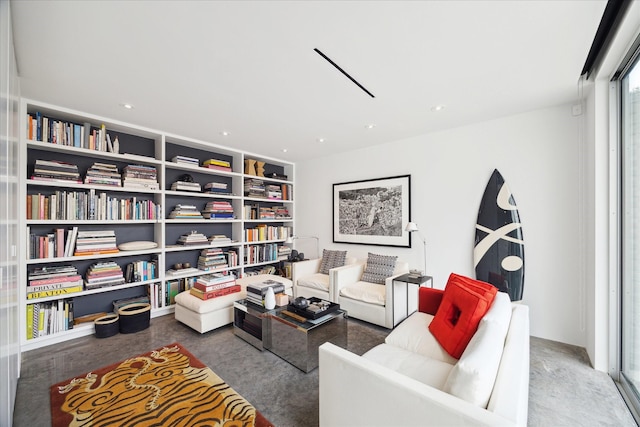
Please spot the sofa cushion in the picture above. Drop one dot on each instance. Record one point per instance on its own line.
(421, 368)
(413, 335)
(365, 291)
(332, 259)
(316, 281)
(473, 377)
(378, 268)
(464, 302)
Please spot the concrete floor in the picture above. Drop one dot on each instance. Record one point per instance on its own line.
(564, 389)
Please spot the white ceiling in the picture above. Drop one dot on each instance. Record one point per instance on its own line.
(249, 67)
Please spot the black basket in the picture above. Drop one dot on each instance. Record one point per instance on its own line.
(107, 326)
(134, 317)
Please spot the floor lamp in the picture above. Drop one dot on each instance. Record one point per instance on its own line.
(412, 227)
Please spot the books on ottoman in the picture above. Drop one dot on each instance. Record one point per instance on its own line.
(257, 291)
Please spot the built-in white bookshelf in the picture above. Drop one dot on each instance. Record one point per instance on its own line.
(174, 159)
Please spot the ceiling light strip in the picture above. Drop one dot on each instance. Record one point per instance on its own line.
(343, 72)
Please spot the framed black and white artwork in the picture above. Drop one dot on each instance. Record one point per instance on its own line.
(373, 211)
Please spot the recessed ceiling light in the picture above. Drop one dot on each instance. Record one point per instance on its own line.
(224, 133)
(127, 106)
(437, 108)
(284, 150)
(320, 139)
(370, 126)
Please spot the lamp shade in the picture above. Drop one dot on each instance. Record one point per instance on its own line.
(411, 226)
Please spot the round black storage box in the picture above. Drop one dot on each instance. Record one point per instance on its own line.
(134, 317)
(107, 326)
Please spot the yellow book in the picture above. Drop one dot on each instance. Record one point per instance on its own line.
(29, 321)
(54, 292)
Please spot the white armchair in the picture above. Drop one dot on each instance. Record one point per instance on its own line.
(309, 282)
(368, 301)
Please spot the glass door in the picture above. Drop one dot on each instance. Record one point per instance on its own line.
(630, 236)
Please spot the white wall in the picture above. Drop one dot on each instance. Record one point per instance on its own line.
(538, 155)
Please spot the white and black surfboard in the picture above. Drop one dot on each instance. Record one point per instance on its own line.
(498, 254)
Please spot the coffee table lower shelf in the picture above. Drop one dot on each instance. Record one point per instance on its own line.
(293, 340)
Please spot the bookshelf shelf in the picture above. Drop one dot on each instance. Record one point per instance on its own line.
(147, 148)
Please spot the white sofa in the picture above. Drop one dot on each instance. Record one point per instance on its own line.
(309, 282)
(411, 381)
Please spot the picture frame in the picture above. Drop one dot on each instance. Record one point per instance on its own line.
(373, 211)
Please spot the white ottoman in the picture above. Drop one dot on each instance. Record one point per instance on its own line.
(206, 315)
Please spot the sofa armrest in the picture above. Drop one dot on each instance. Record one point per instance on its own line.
(345, 275)
(429, 300)
(304, 268)
(355, 391)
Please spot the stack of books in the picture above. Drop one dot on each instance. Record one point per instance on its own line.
(184, 160)
(274, 192)
(185, 212)
(219, 238)
(218, 209)
(104, 274)
(216, 187)
(284, 252)
(55, 170)
(103, 174)
(254, 188)
(193, 238)
(211, 259)
(281, 211)
(140, 176)
(214, 285)
(93, 242)
(265, 212)
(186, 186)
(53, 281)
(222, 165)
(257, 291)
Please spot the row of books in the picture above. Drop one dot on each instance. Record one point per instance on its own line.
(267, 232)
(89, 205)
(140, 271)
(265, 212)
(80, 135)
(263, 253)
(133, 176)
(46, 318)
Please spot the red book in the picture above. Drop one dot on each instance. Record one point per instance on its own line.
(214, 294)
(208, 288)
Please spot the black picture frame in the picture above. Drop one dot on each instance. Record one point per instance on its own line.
(373, 211)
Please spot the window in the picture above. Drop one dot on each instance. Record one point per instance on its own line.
(629, 375)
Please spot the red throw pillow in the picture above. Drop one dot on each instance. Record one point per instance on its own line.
(464, 304)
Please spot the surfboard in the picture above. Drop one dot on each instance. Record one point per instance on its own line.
(498, 253)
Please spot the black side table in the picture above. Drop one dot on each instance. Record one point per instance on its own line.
(406, 280)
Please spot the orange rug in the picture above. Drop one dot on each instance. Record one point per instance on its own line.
(165, 387)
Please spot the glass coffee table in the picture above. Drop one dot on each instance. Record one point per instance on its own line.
(288, 335)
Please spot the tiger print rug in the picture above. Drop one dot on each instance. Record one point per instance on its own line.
(165, 387)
